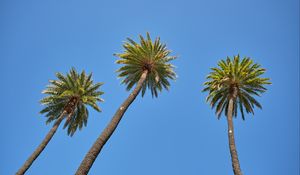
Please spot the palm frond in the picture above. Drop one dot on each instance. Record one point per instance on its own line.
(146, 55)
(71, 93)
(241, 76)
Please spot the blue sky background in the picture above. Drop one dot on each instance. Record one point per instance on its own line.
(175, 134)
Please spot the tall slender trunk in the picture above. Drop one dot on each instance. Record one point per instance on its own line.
(91, 156)
(234, 156)
(42, 146)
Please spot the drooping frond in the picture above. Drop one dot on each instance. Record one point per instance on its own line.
(146, 55)
(71, 93)
(237, 79)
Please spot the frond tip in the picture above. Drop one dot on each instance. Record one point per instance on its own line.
(149, 55)
(237, 79)
(71, 93)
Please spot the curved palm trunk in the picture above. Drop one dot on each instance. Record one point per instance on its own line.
(91, 156)
(233, 152)
(42, 146)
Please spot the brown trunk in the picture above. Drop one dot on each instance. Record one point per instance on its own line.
(42, 146)
(233, 152)
(91, 156)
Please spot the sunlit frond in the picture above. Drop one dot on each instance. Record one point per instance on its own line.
(71, 93)
(146, 55)
(235, 75)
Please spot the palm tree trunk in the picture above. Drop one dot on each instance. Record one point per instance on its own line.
(91, 156)
(42, 146)
(233, 152)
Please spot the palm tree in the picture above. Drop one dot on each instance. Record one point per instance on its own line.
(67, 99)
(232, 85)
(146, 66)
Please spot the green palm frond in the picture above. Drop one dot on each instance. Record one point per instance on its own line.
(146, 55)
(71, 93)
(242, 76)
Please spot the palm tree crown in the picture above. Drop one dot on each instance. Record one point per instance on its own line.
(235, 79)
(70, 94)
(149, 56)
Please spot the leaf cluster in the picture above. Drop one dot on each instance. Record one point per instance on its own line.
(70, 94)
(237, 79)
(149, 56)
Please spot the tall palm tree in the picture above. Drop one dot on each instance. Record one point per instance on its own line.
(232, 85)
(146, 66)
(67, 99)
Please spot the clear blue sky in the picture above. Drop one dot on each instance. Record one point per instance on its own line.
(175, 134)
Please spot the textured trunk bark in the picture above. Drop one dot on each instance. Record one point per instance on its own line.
(42, 146)
(233, 152)
(91, 156)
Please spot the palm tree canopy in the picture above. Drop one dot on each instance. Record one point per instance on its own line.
(237, 79)
(146, 55)
(71, 93)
